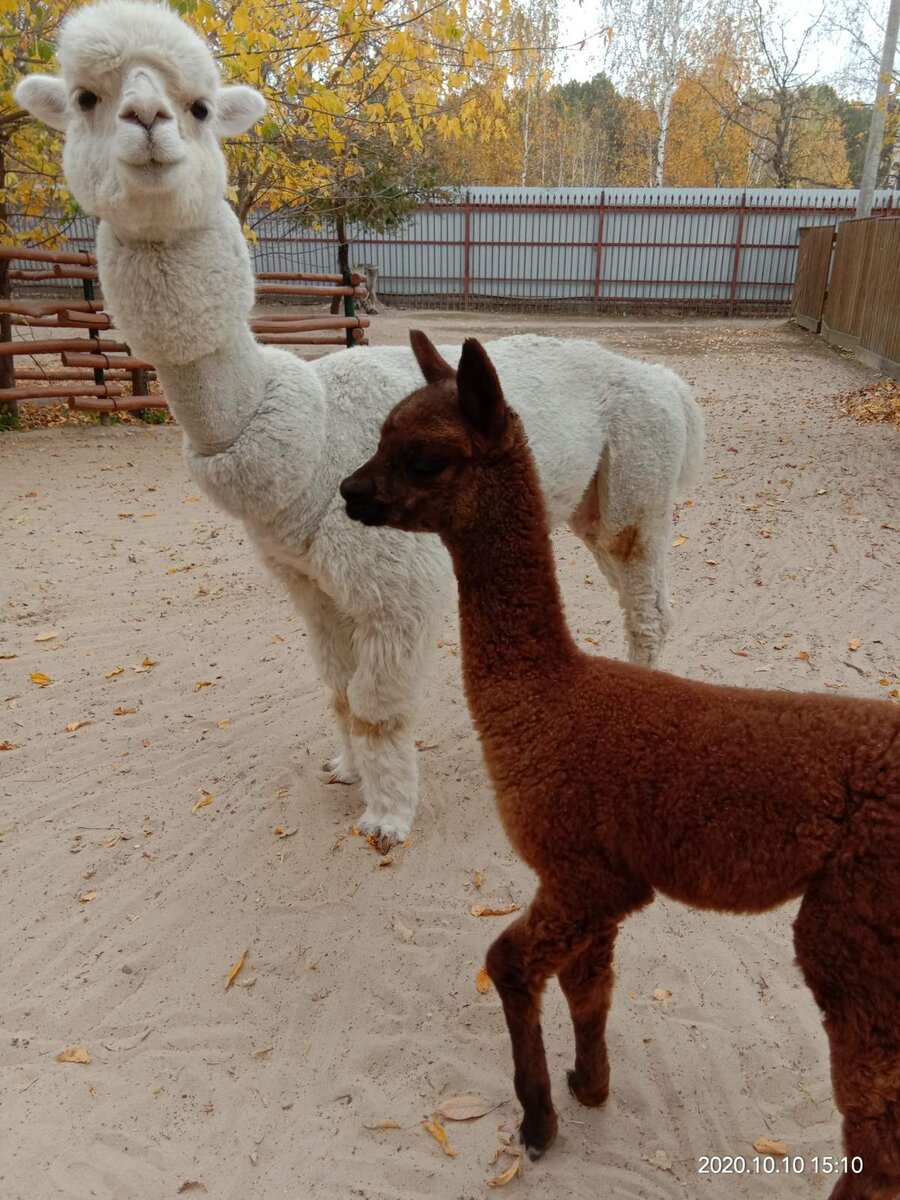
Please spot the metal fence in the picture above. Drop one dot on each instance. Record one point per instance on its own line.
(583, 249)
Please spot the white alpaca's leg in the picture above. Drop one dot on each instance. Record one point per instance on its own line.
(331, 644)
(383, 693)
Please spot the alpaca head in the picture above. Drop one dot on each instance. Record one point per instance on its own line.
(436, 446)
(142, 106)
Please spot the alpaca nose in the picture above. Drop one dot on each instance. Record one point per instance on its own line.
(357, 487)
(143, 105)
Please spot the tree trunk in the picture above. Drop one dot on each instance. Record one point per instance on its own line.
(665, 113)
(875, 142)
(340, 227)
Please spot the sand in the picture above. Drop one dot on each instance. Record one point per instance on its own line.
(125, 905)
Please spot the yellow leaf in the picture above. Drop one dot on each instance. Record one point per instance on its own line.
(764, 1145)
(202, 683)
(123, 712)
(40, 679)
(48, 636)
(439, 1133)
(74, 1054)
(680, 540)
(223, 724)
(463, 1108)
(233, 973)
(88, 897)
(479, 878)
(483, 981)
(70, 728)
(803, 656)
(284, 833)
(114, 671)
(661, 993)
(149, 662)
(389, 1123)
(854, 644)
(484, 910)
(205, 799)
(514, 1169)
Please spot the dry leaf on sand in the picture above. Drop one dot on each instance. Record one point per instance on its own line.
(774, 1146)
(680, 540)
(439, 1133)
(205, 799)
(7, 745)
(40, 679)
(661, 993)
(285, 833)
(191, 1185)
(854, 644)
(501, 1180)
(48, 636)
(114, 671)
(73, 725)
(124, 712)
(484, 910)
(483, 981)
(202, 683)
(389, 1123)
(233, 973)
(463, 1108)
(88, 897)
(74, 1054)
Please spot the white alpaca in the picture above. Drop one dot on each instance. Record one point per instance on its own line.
(270, 437)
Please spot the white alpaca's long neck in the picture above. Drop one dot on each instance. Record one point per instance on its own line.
(183, 306)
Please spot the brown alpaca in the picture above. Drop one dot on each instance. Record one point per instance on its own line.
(614, 780)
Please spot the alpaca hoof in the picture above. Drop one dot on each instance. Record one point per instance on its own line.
(537, 1134)
(387, 830)
(590, 1097)
(339, 771)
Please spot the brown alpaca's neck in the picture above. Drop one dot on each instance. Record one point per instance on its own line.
(511, 615)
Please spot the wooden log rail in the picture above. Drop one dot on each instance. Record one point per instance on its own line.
(96, 370)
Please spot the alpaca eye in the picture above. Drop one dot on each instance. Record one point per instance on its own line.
(199, 110)
(87, 100)
(426, 468)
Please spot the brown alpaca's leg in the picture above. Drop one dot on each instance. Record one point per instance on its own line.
(847, 938)
(520, 962)
(587, 983)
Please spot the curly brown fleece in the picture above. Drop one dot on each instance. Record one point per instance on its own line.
(614, 781)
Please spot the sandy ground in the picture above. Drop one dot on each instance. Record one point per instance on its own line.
(124, 908)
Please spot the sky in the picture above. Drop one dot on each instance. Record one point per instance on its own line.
(580, 20)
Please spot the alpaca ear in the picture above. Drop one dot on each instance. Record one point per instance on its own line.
(44, 96)
(433, 365)
(480, 395)
(237, 109)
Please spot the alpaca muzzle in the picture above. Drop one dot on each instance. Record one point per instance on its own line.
(359, 492)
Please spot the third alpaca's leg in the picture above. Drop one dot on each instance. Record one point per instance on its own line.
(847, 946)
(587, 983)
(330, 634)
(391, 660)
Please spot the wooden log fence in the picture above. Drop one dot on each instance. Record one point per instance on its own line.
(96, 369)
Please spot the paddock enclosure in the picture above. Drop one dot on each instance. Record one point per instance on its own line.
(163, 818)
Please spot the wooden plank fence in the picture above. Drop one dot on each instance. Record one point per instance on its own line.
(859, 304)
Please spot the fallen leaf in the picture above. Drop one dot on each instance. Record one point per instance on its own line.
(202, 683)
(149, 662)
(764, 1145)
(232, 974)
(9, 656)
(205, 799)
(114, 671)
(88, 897)
(73, 725)
(93, 1093)
(278, 639)
(765, 533)
(284, 833)
(388, 1123)
(711, 562)
(9, 745)
(483, 981)
(594, 641)
(463, 1108)
(48, 636)
(191, 500)
(123, 712)
(262, 1050)
(30, 495)
(386, 862)
(74, 1054)
(884, 682)
(479, 878)
(40, 679)
(854, 644)
(661, 993)
(439, 1133)
(661, 1160)
(803, 656)
(224, 723)
(484, 910)
(501, 1180)
(680, 540)
(190, 1185)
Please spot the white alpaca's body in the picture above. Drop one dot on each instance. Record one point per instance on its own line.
(270, 437)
